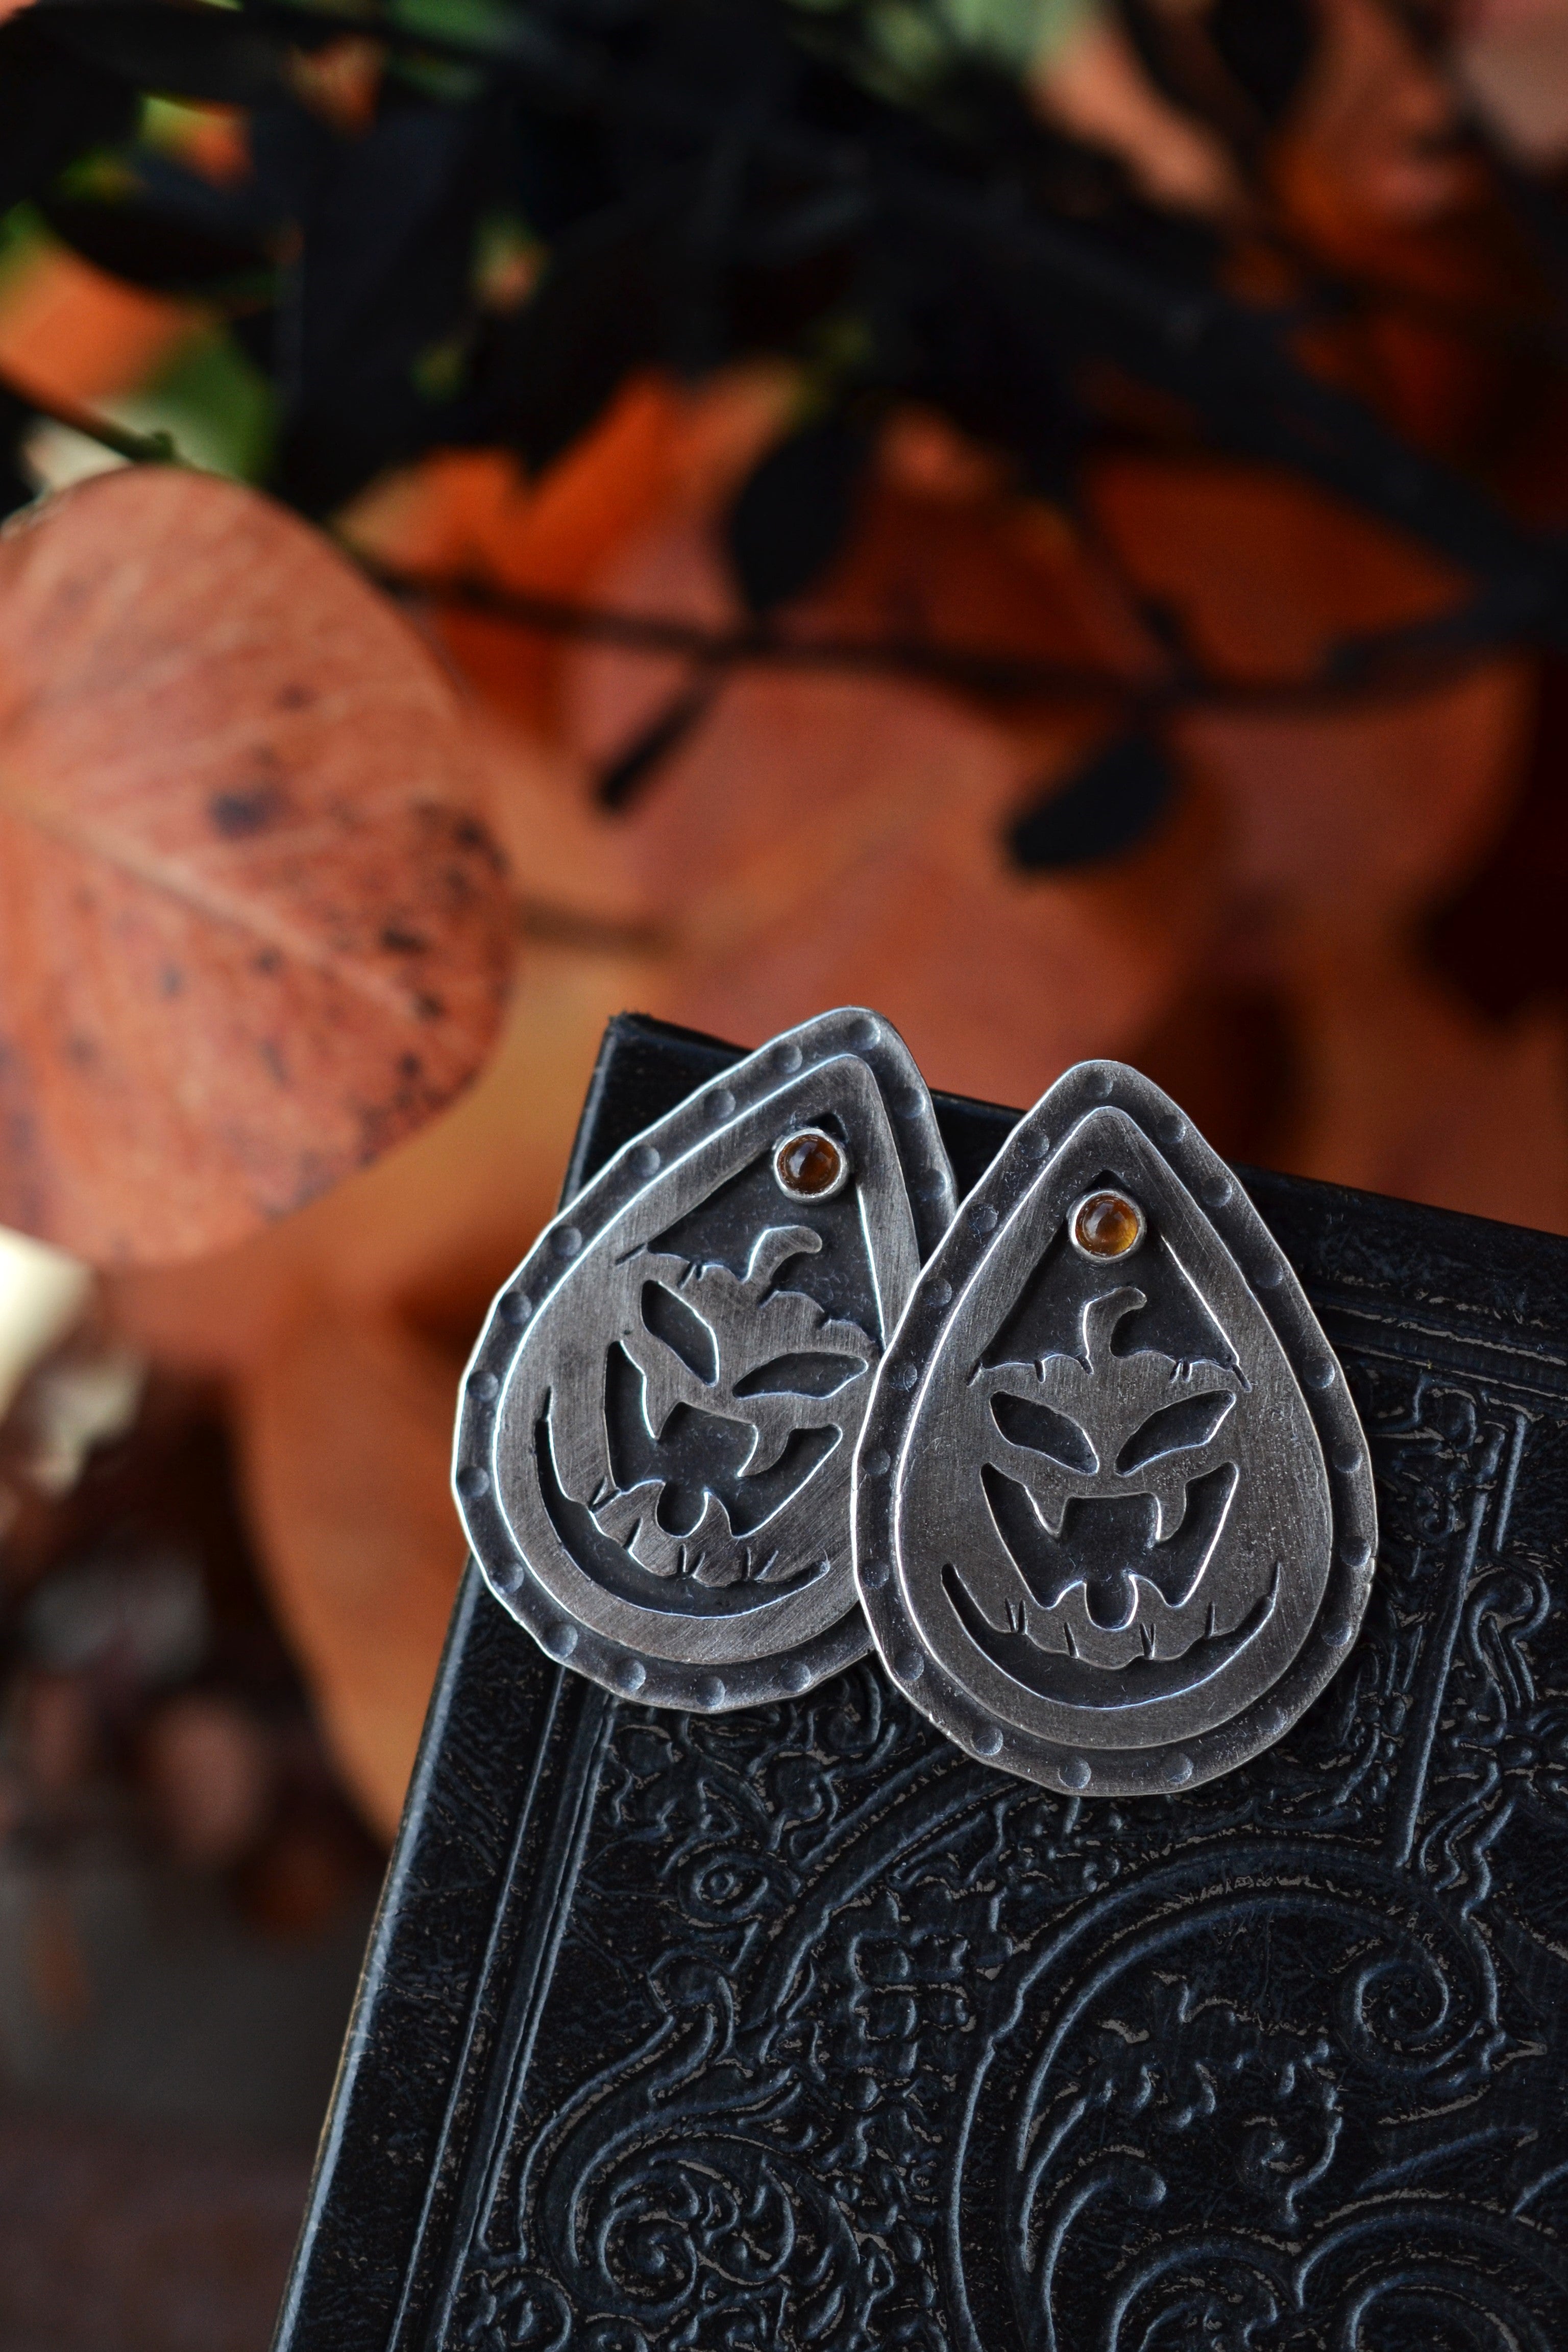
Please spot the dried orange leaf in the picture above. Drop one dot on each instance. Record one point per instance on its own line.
(344, 1430)
(249, 936)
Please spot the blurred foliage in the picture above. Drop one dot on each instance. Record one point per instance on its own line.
(696, 178)
(216, 403)
(457, 223)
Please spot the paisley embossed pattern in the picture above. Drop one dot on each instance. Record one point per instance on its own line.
(800, 2029)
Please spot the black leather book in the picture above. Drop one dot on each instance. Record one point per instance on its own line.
(799, 2028)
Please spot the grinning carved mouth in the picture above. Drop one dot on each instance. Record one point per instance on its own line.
(1107, 1591)
(1071, 1681)
(741, 1571)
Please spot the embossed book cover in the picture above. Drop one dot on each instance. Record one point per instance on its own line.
(803, 2025)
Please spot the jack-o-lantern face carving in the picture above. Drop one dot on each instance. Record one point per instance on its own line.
(655, 1442)
(1114, 1518)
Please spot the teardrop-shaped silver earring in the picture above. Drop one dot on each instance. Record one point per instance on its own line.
(1114, 1525)
(656, 1431)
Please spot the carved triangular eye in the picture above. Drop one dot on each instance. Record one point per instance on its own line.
(1175, 1429)
(654, 1447)
(1113, 1512)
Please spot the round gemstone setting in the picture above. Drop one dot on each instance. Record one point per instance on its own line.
(1106, 1224)
(811, 1165)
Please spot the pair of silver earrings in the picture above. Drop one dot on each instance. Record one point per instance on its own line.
(1075, 1456)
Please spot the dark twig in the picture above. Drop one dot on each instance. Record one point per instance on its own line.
(1395, 663)
(137, 448)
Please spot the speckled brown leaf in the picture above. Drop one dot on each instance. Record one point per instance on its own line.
(249, 936)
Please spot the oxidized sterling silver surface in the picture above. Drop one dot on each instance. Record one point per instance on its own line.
(1114, 1525)
(654, 1443)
